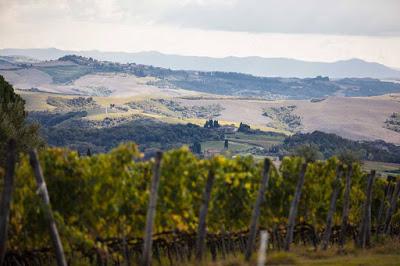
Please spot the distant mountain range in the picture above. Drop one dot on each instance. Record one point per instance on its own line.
(259, 66)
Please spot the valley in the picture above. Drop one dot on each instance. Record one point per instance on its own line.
(105, 98)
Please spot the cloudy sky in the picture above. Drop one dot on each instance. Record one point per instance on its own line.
(314, 30)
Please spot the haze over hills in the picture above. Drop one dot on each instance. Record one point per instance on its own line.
(259, 66)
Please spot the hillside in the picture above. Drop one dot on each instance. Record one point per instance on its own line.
(85, 76)
(289, 105)
(258, 66)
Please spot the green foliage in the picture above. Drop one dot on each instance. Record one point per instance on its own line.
(309, 152)
(12, 121)
(106, 195)
(74, 104)
(349, 157)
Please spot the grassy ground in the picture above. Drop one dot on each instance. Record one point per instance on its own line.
(356, 260)
(264, 141)
(384, 254)
(366, 259)
(240, 143)
(387, 254)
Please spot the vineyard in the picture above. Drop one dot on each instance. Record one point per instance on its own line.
(103, 206)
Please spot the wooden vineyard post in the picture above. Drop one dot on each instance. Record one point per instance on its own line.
(126, 251)
(369, 217)
(392, 208)
(263, 248)
(43, 193)
(151, 212)
(256, 210)
(365, 225)
(346, 207)
(332, 207)
(387, 195)
(294, 206)
(201, 230)
(6, 197)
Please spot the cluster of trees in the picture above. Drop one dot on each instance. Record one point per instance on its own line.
(393, 122)
(48, 119)
(196, 147)
(78, 103)
(211, 124)
(283, 117)
(331, 144)
(245, 128)
(72, 132)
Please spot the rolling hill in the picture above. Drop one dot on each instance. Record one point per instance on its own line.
(352, 107)
(79, 75)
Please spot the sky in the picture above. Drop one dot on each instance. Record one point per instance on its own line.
(312, 30)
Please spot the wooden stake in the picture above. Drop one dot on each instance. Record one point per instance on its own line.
(346, 208)
(392, 208)
(151, 212)
(43, 193)
(263, 248)
(332, 207)
(256, 210)
(387, 195)
(365, 225)
(126, 251)
(6, 197)
(201, 230)
(294, 206)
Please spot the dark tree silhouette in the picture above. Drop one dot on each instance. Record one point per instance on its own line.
(13, 123)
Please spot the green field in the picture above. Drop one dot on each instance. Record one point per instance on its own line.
(243, 144)
(382, 167)
(258, 140)
(218, 145)
(386, 254)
